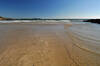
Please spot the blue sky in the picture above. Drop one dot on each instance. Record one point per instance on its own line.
(50, 8)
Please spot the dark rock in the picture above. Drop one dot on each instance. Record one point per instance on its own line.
(93, 21)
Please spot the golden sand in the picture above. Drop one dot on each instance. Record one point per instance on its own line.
(41, 45)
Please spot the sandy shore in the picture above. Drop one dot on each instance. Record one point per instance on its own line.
(41, 45)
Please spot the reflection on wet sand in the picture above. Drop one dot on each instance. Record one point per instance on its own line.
(41, 45)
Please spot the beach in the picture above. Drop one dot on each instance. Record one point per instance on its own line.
(26, 44)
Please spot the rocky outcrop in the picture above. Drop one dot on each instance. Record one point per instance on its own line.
(93, 21)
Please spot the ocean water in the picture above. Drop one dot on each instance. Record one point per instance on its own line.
(37, 21)
(16, 21)
(86, 36)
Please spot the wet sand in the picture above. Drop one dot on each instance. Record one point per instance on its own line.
(41, 45)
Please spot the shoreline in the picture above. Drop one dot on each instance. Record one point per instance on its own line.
(41, 45)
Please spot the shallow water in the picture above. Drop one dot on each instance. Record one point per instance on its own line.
(86, 36)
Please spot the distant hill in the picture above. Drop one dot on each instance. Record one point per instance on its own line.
(2, 18)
